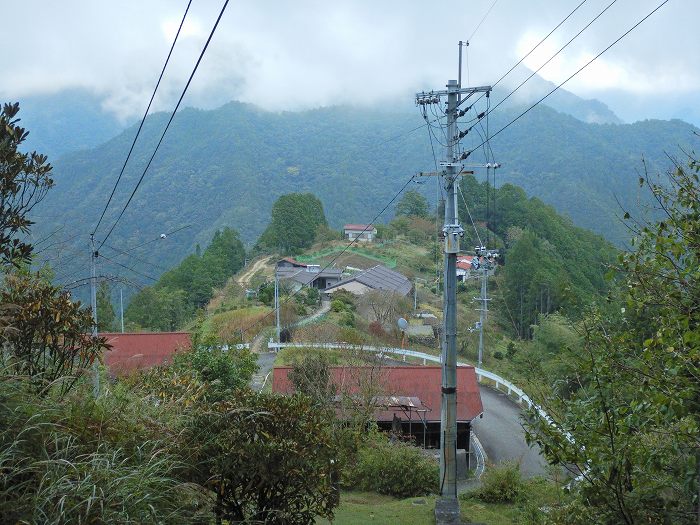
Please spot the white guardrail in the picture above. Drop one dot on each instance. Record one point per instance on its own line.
(480, 372)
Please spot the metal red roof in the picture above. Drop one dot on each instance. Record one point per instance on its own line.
(133, 351)
(359, 227)
(422, 382)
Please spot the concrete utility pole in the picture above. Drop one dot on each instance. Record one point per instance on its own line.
(277, 305)
(482, 312)
(93, 301)
(121, 308)
(452, 231)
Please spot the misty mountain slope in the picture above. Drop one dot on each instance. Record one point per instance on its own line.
(67, 121)
(226, 167)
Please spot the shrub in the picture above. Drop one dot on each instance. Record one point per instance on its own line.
(337, 305)
(395, 469)
(269, 458)
(348, 319)
(498, 355)
(85, 461)
(376, 329)
(501, 483)
(221, 370)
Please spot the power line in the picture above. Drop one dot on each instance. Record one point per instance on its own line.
(554, 55)
(128, 268)
(533, 49)
(345, 249)
(481, 22)
(139, 259)
(138, 132)
(408, 132)
(172, 116)
(155, 239)
(572, 75)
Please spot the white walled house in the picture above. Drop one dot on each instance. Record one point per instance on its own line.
(361, 232)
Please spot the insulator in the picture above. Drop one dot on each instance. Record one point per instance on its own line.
(481, 115)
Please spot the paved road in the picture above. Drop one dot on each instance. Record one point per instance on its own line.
(502, 435)
(265, 361)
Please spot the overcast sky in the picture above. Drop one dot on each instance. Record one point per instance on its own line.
(307, 53)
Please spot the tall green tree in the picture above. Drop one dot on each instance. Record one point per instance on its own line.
(294, 223)
(24, 180)
(182, 290)
(413, 204)
(105, 310)
(632, 427)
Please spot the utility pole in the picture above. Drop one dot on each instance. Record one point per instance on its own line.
(452, 231)
(93, 300)
(277, 305)
(121, 308)
(482, 313)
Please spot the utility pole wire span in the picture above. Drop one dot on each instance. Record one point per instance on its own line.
(623, 35)
(167, 126)
(148, 108)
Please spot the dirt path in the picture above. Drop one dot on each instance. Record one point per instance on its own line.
(244, 278)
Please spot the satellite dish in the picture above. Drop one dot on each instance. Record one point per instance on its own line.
(163, 236)
(403, 324)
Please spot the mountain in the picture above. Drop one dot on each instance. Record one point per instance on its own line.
(587, 110)
(66, 121)
(226, 167)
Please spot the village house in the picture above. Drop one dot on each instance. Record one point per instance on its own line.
(137, 351)
(298, 274)
(361, 232)
(406, 399)
(378, 277)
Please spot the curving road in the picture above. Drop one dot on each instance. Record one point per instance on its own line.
(502, 436)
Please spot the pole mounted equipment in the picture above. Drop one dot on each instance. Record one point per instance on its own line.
(452, 232)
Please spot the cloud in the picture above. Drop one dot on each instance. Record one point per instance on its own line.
(308, 53)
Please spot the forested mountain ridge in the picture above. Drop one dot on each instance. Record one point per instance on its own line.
(226, 167)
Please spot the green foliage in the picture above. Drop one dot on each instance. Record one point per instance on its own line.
(296, 218)
(579, 168)
(268, 458)
(412, 204)
(105, 310)
(160, 309)
(45, 335)
(24, 180)
(311, 376)
(549, 263)
(337, 305)
(221, 370)
(311, 296)
(181, 291)
(395, 469)
(500, 483)
(637, 374)
(78, 461)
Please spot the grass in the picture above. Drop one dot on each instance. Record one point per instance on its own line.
(368, 507)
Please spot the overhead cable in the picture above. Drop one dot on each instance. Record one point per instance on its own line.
(167, 126)
(143, 119)
(573, 74)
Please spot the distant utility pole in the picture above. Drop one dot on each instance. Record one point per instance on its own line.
(93, 300)
(277, 305)
(121, 308)
(483, 310)
(452, 231)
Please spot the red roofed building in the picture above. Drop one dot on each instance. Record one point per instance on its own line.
(361, 232)
(410, 398)
(131, 352)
